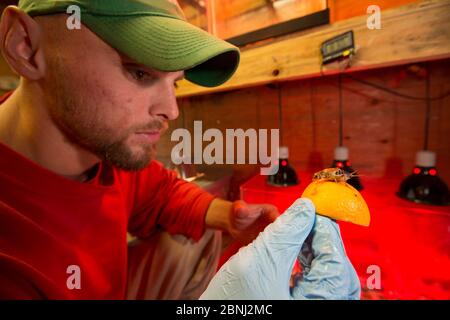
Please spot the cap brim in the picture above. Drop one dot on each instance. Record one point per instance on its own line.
(168, 44)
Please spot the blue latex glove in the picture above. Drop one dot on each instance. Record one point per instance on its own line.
(262, 269)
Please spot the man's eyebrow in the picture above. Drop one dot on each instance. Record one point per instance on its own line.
(130, 61)
(138, 65)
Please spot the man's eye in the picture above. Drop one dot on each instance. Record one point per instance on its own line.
(140, 75)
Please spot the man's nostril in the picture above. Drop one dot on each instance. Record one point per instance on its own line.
(164, 116)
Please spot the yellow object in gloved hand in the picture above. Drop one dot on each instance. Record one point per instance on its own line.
(336, 199)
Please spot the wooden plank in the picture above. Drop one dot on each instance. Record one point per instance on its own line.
(411, 33)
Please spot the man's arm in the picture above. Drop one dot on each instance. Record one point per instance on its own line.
(159, 198)
(218, 214)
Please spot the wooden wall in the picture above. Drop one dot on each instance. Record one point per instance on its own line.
(382, 131)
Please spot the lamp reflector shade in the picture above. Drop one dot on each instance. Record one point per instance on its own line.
(424, 185)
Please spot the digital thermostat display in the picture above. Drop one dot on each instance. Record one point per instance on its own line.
(340, 46)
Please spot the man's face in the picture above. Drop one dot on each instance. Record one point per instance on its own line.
(102, 100)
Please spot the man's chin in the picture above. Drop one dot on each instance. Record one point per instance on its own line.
(131, 160)
(127, 165)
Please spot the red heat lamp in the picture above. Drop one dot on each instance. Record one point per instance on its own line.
(286, 175)
(424, 185)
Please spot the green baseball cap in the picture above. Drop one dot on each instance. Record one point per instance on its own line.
(154, 33)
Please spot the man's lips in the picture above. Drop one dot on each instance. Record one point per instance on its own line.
(149, 136)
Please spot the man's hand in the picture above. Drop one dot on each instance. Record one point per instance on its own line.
(262, 269)
(243, 221)
(248, 220)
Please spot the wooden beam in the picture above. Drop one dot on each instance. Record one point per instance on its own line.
(412, 33)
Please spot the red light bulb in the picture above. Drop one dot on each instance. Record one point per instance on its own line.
(347, 163)
(284, 163)
(432, 172)
(340, 164)
(416, 170)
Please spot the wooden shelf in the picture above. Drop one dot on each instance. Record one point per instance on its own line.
(412, 33)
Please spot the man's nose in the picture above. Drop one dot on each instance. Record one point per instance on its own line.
(167, 106)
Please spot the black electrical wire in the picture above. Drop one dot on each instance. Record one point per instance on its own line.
(428, 99)
(393, 92)
(280, 112)
(428, 109)
(388, 90)
(341, 113)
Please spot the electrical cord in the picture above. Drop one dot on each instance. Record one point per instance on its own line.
(428, 99)
(280, 112)
(393, 92)
(383, 88)
(341, 112)
(428, 111)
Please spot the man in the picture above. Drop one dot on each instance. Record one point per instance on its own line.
(77, 145)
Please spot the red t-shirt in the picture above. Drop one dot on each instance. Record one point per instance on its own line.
(48, 223)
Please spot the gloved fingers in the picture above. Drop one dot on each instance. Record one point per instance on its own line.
(262, 269)
(327, 271)
(281, 241)
(225, 285)
(355, 285)
(325, 231)
(306, 256)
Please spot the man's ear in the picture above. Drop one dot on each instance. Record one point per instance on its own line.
(21, 43)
